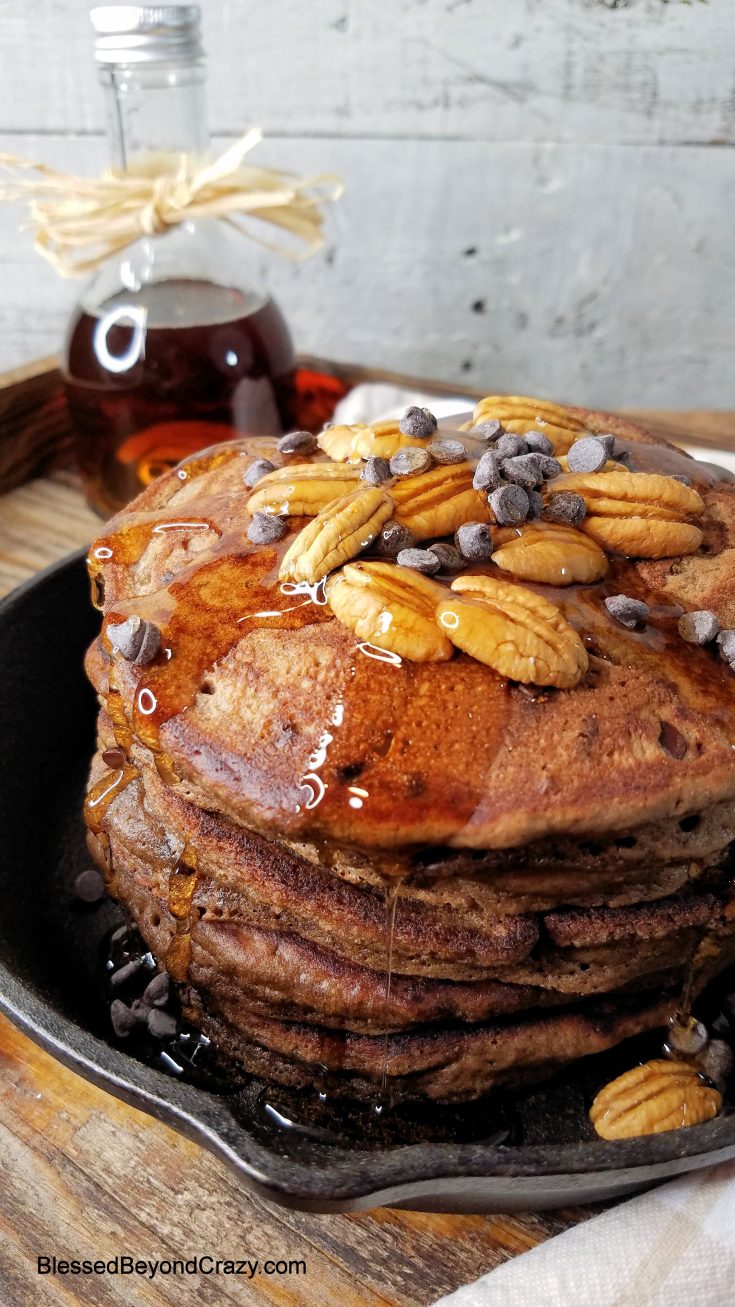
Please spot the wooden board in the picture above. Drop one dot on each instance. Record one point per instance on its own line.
(85, 1176)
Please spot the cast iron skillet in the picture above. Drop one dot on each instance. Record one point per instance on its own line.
(50, 980)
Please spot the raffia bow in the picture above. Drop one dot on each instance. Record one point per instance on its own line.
(81, 221)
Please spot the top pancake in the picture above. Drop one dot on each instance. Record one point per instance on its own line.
(267, 710)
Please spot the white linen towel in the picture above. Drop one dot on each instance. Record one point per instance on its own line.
(671, 1247)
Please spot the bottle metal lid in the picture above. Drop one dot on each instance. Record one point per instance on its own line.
(146, 33)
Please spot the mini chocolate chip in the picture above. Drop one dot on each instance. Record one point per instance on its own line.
(418, 422)
(550, 467)
(525, 470)
(408, 462)
(510, 504)
(158, 991)
(375, 471)
(449, 556)
(488, 474)
(260, 468)
(393, 538)
(565, 507)
(297, 442)
(699, 627)
(421, 560)
(717, 1062)
(535, 504)
(687, 1035)
(89, 886)
(120, 934)
(672, 740)
(587, 455)
(123, 1020)
(114, 758)
(126, 972)
(511, 446)
(138, 641)
(474, 541)
(162, 1025)
(447, 451)
(726, 645)
(607, 441)
(140, 1010)
(677, 476)
(265, 528)
(629, 612)
(538, 443)
(489, 431)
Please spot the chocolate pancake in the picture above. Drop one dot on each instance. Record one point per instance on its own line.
(292, 816)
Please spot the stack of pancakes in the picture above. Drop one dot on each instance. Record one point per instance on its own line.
(418, 875)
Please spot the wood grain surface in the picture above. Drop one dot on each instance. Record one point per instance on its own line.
(83, 1175)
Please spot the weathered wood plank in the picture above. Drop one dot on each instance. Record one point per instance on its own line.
(575, 70)
(599, 272)
(97, 1178)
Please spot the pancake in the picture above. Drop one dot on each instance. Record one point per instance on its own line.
(291, 815)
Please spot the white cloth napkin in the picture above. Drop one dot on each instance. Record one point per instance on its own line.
(671, 1247)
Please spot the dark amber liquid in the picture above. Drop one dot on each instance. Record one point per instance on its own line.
(155, 375)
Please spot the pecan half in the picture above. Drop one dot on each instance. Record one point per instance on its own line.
(641, 514)
(392, 607)
(550, 553)
(438, 502)
(337, 534)
(301, 490)
(513, 630)
(660, 1095)
(522, 413)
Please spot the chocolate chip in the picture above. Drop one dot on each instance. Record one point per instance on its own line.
(123, 1020)
(162, 1025)
(535, 504)
(511, 446)
(726, 645)
(158, 991)
(297, 442)
(140, 1010)
(488, 474)
(114, 758)
(629, 612)
(265, 528)
(393, 538)
(550, 467)
(672, 740)
(375, 471)
(565, 507)
(410, 461)
(687, 1035)
(525, 470)
(421, 560)
(538, 443)
(447, 451)
(510, 504)
(489, 431)
(474, 541)
(587, 455)
(138, 641)
(418, 422)
(699, 627)
(449, 557)
(260, 468)
(89, 886)
(126, 972)
(716, 1061)
(607, 441)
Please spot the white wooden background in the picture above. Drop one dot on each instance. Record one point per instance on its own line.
(540, 193)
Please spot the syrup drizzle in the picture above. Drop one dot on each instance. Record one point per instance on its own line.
(201, 623)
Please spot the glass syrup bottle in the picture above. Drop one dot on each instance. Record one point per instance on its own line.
(175, 344)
